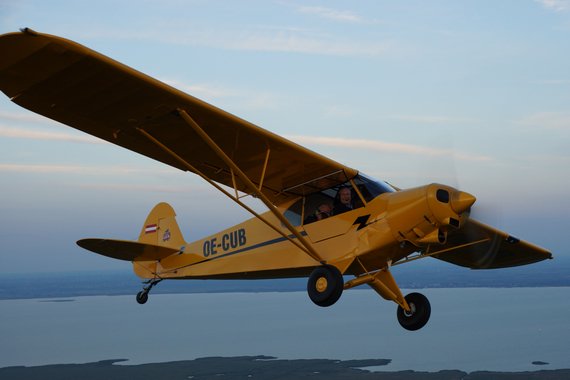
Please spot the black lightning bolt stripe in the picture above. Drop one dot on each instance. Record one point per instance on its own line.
(361, 221)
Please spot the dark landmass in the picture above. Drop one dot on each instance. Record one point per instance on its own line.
(253, 367)
(417, 275)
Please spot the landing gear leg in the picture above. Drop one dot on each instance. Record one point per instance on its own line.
(414, 309)
(142, 296)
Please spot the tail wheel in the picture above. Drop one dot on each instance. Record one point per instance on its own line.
(419, 313)
(142, 297)
(325, 285)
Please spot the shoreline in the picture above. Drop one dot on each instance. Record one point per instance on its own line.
(257, 367)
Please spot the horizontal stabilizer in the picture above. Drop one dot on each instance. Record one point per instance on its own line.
(479, 246)
(126, 250)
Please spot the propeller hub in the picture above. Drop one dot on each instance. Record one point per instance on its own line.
(461, 201)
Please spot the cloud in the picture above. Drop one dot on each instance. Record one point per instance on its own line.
(425, 119)
(290, 41)
(385, 147)
(252, 38)
(332, 14)
(213, 93)
(553, 82)
(70, 169)
(24, 117)
(146, 188)
(20, 133)
(201, 90)
(555, 5)
(23, 168)
(548, 120)
(339, 111)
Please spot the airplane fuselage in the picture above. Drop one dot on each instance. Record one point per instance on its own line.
(387, 228)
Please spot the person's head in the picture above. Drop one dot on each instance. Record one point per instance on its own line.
(345, 196)
(324, 211)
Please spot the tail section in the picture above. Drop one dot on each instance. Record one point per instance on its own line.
(158, 251)
(161, 229)
(160, 237)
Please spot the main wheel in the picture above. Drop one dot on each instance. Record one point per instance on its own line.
(419, 314)
(325, 285)
(142, 297)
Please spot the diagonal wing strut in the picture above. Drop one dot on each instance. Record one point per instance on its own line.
(302, 243)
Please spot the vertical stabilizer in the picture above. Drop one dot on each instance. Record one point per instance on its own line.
(160, 228)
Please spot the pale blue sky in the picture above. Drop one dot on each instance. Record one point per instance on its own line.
(475, 94)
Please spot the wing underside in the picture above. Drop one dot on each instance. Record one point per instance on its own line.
(74, 85)
(479, 246)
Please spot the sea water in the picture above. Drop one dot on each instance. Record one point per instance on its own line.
(470, 329)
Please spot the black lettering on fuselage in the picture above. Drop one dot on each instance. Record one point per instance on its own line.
(228, 241)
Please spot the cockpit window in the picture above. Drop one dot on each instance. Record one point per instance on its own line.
(318, 206)
(294, 213)
(339, 199)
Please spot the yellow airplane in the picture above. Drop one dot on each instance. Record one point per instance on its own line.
(324, 220)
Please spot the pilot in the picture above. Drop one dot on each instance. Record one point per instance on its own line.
(343, 201)
(322, 212)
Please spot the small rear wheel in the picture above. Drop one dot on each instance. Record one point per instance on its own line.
(419, 313)
(325, 285)
(142, 297)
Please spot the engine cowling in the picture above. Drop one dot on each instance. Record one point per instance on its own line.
(424, 215)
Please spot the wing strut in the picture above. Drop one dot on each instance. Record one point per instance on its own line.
(219, 188)
(254, 190)
(429, 254)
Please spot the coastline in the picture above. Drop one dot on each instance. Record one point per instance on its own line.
(257, 367)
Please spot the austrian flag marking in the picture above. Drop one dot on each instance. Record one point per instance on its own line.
(150, 228)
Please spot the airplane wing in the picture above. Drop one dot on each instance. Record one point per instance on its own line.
(74, 85)
(479, 246)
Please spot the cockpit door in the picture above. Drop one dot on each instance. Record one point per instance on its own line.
(330, 227)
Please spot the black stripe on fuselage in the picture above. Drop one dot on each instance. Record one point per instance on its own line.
(255, 246)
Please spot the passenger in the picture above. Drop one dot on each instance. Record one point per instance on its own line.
(322, 212)
(343, 201)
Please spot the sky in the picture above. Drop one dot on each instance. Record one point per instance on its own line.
(474, 94)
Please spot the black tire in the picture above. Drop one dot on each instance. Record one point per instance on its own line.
(142, 297)
(421, 311)
(325, 285)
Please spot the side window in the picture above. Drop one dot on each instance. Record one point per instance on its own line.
(318, 206)
(294, 213)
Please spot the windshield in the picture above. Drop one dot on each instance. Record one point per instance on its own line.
(371, 188)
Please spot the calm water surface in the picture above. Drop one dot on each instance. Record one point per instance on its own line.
(470, 329)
